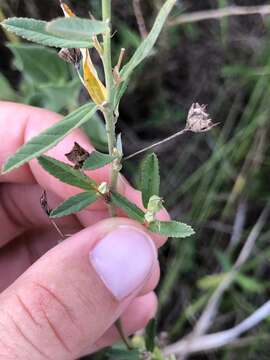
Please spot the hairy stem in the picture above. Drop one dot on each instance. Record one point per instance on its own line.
(108, 107)
(110, 120)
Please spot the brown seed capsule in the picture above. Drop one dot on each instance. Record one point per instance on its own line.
(72, 56)
(44, 203)
(77, 156)
(198, 119)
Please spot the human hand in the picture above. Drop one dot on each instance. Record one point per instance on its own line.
(61, 301)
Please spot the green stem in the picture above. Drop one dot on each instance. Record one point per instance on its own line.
(110, 121)
(108, 108)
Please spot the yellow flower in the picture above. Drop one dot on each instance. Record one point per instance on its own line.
(91, 81)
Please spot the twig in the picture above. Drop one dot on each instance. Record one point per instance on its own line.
(157, 143)
(238, 225)
(47, 210)
(139, 18)
(198, 121)
(205, 320)
(219, 339)
(220, 13)
(211, 308)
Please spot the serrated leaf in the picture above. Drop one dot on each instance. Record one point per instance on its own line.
(50, 137)
(128, 207)
(74, 204)
(35, 30)
(150, 334)
(97, 160)
(66, 173)
(146, 46)
(75, 28)
(150, 178)
(171, 228)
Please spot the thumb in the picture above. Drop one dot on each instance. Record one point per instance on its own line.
(66, 301)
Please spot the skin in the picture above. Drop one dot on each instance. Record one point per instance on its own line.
(35, 270)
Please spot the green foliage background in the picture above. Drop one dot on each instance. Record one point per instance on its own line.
(210, 180)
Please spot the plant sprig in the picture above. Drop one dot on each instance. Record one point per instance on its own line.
(76, 36)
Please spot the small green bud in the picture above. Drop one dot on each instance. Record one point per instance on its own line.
(149, 217)
(155, 204)
(103, 188)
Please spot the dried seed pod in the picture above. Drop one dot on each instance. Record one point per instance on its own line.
(44, 203)
(198, 119)
(72, 56)
(77, 156)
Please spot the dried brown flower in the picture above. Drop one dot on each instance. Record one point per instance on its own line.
(198, 119)
(72, 56)
(44, 203)
(77, 155)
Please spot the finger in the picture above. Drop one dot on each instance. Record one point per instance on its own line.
(153, 280)
(20, 210)
(20, 123)
(134, 318)
(71, 296)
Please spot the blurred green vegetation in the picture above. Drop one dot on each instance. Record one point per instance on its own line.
(211, 180)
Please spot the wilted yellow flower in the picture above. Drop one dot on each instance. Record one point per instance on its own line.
(94, 86)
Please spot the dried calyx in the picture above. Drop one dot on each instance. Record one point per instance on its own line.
(198, 119)
(72, 56)
(77, 155)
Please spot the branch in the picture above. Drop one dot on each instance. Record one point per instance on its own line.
(139, 18)
(194, 339)
(219, 339)
(209, 313)
(220, 13)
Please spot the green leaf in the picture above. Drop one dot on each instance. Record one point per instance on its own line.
(129, 208)
(150, 179)
(150, 334)
(120, 352)
(6, 91)
(119, 91)
(35, 30)
(66, 173)
(58, 97)
(97, 160)
(38, 64)
(74, 204)
(75, 28)
(210, 282)
(171, 228)
(50, 137)
(223, 260)
(96, 131)
(249, 284)
(146, 46)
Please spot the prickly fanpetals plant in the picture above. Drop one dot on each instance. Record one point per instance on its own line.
(76, 37)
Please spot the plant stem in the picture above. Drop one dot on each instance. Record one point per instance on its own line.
(110, 121)
(157, 143)
(108, 107)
